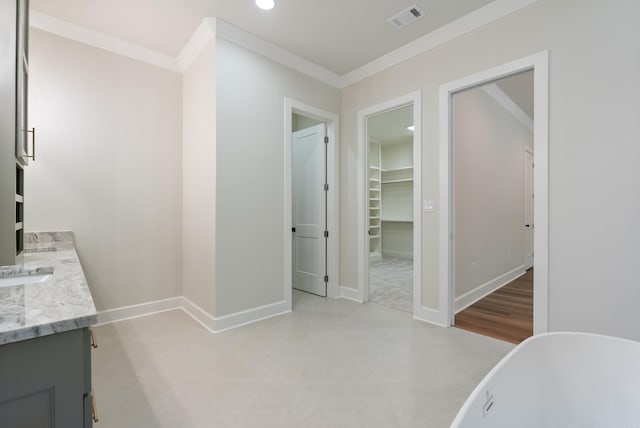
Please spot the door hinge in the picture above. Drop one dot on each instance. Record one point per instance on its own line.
(326, 187)
(326, 140)
(326, 278)
(326, 233)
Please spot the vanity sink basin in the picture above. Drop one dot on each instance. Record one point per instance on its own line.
(22, 277)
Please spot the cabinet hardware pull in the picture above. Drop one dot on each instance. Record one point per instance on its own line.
(33, 144)
(95, 407)
(94, 342)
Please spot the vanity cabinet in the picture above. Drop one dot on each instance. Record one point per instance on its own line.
(46, 381)
(14, 131)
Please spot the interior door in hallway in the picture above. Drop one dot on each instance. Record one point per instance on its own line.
(309, 210)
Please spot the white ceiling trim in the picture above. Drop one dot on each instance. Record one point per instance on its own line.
(199, 40)
(472, 21)
(507, 103)
(276, 53)
(210, 27)
(89, 37)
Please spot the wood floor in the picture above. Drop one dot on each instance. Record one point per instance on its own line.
(505, 314)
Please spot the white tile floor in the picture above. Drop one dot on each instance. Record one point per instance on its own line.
(330, 363)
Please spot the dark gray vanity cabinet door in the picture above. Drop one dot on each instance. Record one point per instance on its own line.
(43, 381)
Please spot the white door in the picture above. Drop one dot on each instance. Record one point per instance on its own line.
(309, 210)
(528, 209)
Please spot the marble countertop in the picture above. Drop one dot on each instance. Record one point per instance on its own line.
(59, 304)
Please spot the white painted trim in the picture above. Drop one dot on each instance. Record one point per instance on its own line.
(351, 294)
(507, 103)
(89, 37)
(205, 33)
(414, 98)
(275, 53)
(469, 298)
(140, 310)
(238, 319)
(209, 27)
(540, 64)
(211, 323)
(333, 205)
(429, 315)
(470, 22)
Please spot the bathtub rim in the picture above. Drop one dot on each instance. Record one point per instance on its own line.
(464, 409)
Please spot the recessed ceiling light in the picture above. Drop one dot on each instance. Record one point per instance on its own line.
(266, 4)
(410, 128)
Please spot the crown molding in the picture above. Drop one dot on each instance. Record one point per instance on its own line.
(205, 33)
(276, 53)
(210, 28)
(509, 105)
(472, 21)
(89, 37)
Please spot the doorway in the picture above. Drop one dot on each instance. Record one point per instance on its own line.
(390, 136)
(452, 273)
(389, 215)
(492, 135)
(309, 191)
(311, 201)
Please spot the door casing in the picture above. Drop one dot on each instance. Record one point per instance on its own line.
(539, 63)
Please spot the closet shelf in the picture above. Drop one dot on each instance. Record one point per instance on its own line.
(397, 220)
(403, 168)
(404, 180)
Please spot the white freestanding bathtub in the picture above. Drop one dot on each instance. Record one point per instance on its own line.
(559, 380)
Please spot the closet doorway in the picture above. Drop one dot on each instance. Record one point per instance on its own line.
(390, 207)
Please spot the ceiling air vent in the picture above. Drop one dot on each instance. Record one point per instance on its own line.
(406, 17)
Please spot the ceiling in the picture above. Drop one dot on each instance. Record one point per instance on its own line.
(339, 35)
(391, 127)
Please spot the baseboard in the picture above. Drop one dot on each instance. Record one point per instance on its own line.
(398, 254)
(238, 319)
(140, 310)
(211, 323)
(351, 294)
(469, 298)
(430, 316)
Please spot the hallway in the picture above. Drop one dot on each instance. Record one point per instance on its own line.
(506, 314)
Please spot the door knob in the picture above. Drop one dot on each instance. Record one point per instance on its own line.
(527, 225)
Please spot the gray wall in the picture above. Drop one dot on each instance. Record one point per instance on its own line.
(108, 166)
(199, 179)
(593, 155)
(250, 173)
